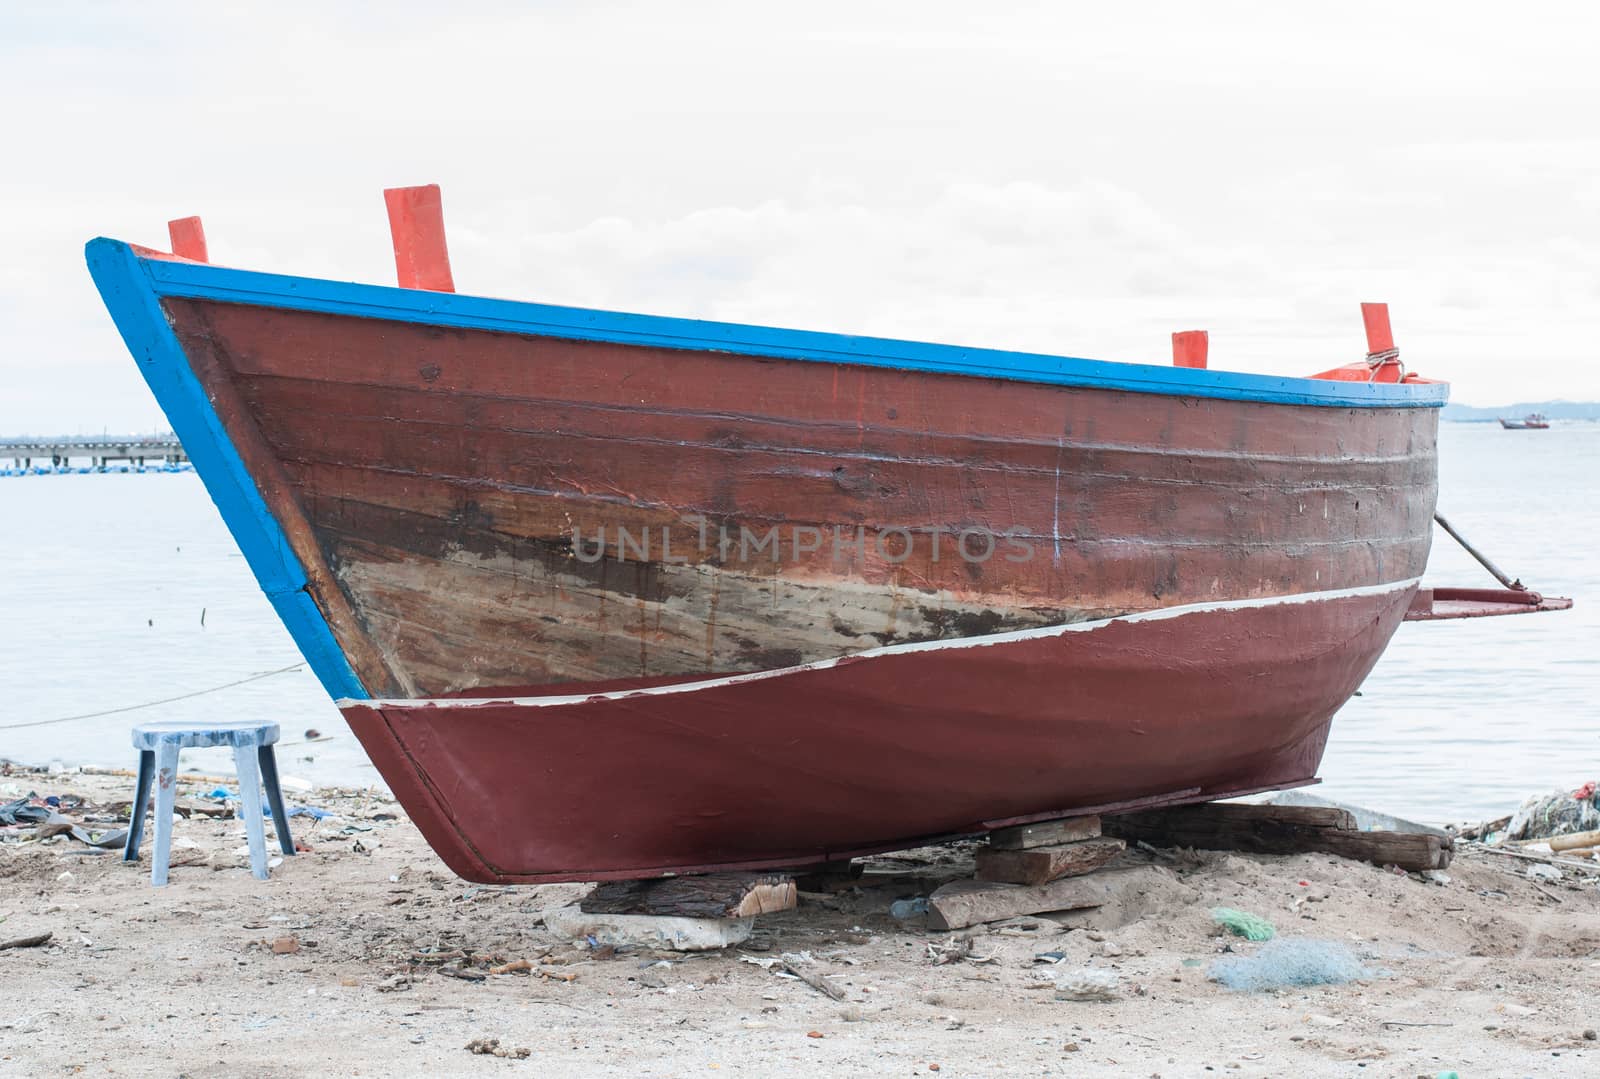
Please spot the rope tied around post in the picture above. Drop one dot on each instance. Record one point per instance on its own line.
(1377, 360)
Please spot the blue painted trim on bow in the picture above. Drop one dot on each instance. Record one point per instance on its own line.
(217, 283)
(132, 297)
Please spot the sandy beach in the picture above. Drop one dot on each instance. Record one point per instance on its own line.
(363, 955)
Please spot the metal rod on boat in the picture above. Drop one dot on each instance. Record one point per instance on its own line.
(1516, 586)
(416, 223)
(188, 239)
(1189, 348)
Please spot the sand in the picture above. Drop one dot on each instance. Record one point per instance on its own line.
(353, 958)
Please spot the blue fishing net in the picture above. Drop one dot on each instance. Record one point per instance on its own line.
(1283, 964)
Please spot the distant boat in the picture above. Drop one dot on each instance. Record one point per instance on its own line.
(615, 596)
(1531, 422)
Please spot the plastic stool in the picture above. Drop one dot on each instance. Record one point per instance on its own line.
(158, 745)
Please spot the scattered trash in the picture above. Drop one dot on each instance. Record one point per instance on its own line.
(1241, 924)
(462, 972)
(1050, 957)
(1543, 872)
(491, 1047)
(1556, 813)
(951, 951)
(1285, 963)
(1087, 984)
(25, 811)
(285, 946)
(908, 908)
(792, 966)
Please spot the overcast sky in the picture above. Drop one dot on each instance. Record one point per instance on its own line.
(1071, 178)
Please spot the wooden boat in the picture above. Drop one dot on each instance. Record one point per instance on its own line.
(1531, 422)
(615, 595)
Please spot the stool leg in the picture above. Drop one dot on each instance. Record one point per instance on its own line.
(244, 760)
(166, 797)
(141, 802)
(267, 758)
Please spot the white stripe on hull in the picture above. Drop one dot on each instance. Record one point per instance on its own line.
(457, 703)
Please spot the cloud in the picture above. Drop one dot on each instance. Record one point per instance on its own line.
(1053, 178)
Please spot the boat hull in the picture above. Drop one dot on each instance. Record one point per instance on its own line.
(1155, 584)
(492, 509)
(882, 750)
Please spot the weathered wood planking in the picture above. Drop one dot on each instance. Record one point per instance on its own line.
(710, 895)
(440, 474)
(1046, 833)
(964, 903)
(1038, 865)
(1281, 829)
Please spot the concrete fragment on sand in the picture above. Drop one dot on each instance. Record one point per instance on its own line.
(649, 930)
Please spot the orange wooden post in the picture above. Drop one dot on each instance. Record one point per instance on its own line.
(1189, 348)
(416, 222)
(1380, 338)
(188, 239)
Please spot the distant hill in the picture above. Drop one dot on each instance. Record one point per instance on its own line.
(1554, 410)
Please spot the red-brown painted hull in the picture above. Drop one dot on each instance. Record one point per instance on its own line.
(431, 482)
(880, 750)
(1213, 562)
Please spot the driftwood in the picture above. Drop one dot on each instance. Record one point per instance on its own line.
(817, 982)
(1530, 856)
(1574, 841)
(1038, 865)
(1046, 833)
(27, 942)
(968, 902)
(1281, 829)
(712, 895)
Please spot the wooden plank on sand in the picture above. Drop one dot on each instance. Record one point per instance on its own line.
(1046, 833)
(710, 895)
(968, 902)
(1276, 829)
(1038, 865)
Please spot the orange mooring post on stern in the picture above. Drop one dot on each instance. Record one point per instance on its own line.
(188, 239)
(1380, 338)
(1189, 348)
(416, 221)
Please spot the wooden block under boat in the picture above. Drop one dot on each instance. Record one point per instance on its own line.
(711, 895)
(1046, 833)
(1038, 865)
(1281, 829)
(970, 902)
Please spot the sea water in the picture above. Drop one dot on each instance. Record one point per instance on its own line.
(117, 590)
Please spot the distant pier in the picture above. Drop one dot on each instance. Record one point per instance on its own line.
(98, 450)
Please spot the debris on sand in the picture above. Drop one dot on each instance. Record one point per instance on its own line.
(26, 942)
(1243, 924)
(1087, 984)
(1285, 964)
(491, 1047)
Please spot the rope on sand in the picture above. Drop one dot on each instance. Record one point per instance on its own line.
(152, 704)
